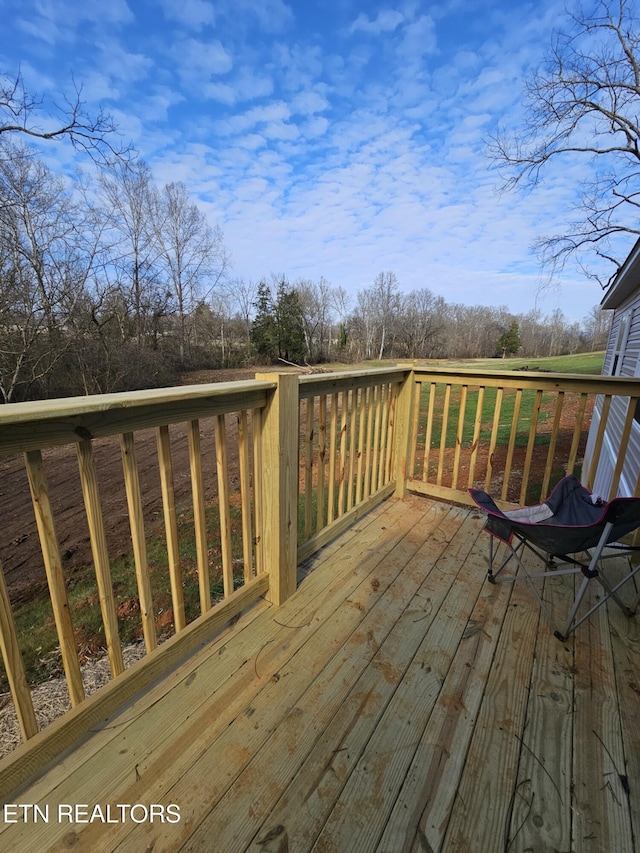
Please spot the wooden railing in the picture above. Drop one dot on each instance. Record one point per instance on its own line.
(205, 420)
(311, 454)
(513, 434)
(314, 453)
(347, 449)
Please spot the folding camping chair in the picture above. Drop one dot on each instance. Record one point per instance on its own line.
(571, 521)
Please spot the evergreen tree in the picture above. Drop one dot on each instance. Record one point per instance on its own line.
(290, 325)
(509, 341)
(264, 329)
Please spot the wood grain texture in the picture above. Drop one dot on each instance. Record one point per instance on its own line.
(395, 702)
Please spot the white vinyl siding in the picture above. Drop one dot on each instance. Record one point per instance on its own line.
(622, 359)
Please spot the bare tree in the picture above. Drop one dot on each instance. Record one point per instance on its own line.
(316, 301)
(243, 295)
(48, 248)
(386, 305)
(126, 193)
(364, 322)
(421, 325)
(585, 103)
(340, 303)
(22, 112)
(192, 253)
(596, 325)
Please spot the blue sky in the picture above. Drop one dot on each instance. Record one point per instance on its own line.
(334, 139)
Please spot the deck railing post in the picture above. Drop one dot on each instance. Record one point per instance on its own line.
(403, 433)
(280, 485)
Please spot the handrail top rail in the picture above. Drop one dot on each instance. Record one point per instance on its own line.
(41, 424)
(312, 383)
(624, 386)
(513, 372)
(65, 407)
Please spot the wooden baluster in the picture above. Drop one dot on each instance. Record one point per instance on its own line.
(551, 452)
(322, 449)
(429, 432)
(136, 522)
(245, 494)
(622, 449)
(171, 526)
(375, 445)
(494, 438)
(344, 399)
(14, 665)
(362, 415)
(222, 470)
(443, 432)
(331, 487)
(384, 434)
(308, 467)
(597, 448)
(476, 437)
(459, 436)
(352, 447)
(390, 456)
(512, 444)
(530, 446)
(55, 576)
(258, 487)
(369, 443)
(91, 496)
(199, 517)
(577, 435)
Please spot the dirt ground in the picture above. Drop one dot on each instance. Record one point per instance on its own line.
(19, 546)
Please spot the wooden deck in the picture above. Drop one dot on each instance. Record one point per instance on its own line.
(397, 702)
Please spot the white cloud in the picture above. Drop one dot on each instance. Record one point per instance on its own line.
(419, 38)
(193, 14)
(122, 64)
(272, 16)
(245, 86)
(309, 103)
(315, 127)
(252, 141)
(272, 113)
(197, 61)
(59, 19)
(386, 21)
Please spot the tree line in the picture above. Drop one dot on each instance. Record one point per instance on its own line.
(313, 322)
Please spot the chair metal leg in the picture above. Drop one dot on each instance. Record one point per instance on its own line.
(592, 573)
(569, 626)
(513, 552)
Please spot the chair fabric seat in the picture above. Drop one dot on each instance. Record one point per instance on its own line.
(576, 522)
(570, 522)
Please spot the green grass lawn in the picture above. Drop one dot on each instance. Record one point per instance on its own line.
(583, 363)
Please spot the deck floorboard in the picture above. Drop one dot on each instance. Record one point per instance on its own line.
(397, 702)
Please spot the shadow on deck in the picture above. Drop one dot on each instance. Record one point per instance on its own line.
(397, 702)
